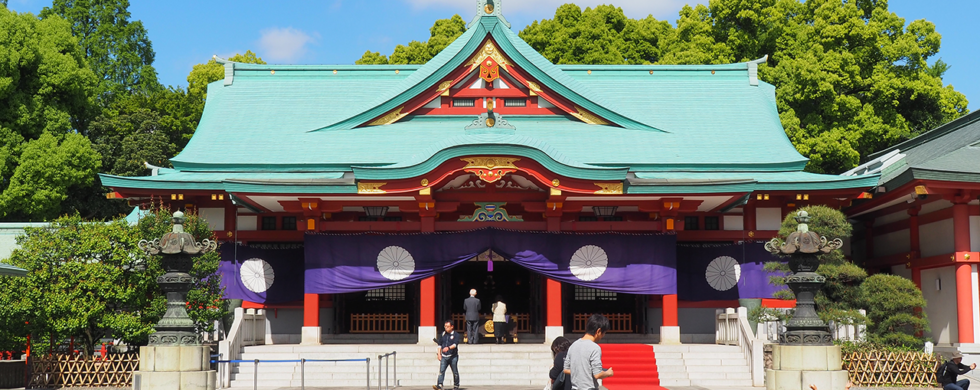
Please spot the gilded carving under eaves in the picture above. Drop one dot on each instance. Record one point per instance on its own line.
(588, 117)
(489, 50)
(609, 188)
(389, 118)
(370, 188)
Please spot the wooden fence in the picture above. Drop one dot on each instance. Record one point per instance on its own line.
(618, 322)
(379, 323)
(63, 370)
(879, 368)
(12, 373)
(522, 321)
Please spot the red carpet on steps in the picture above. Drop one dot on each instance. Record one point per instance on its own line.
(634, 367)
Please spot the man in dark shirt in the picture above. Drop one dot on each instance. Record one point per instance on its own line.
(472, 307)
(948, 372)
(448, 355)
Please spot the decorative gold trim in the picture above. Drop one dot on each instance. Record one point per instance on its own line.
(488, 50)
(424, 182)
(488, 8)
(609, 188)
(444, 87)
(425, 191)
(555, 192)
(490, 162)
(389, 118)
(335, 71)
(588, 117)
(370, 188)
(533, 87)
(272, 71)
(555, 182)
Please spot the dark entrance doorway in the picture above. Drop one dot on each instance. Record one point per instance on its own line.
(519, 288)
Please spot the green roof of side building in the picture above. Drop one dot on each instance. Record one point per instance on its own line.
(261, 126)
(950, 152)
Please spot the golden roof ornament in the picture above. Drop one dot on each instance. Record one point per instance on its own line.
(486, 8)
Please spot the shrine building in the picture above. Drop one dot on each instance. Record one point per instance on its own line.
(372, 198)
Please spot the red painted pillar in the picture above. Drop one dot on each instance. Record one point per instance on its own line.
(427, 304)
(670, 310)
(554, 303)
(964, 285)
(748, 217)
(311, 309)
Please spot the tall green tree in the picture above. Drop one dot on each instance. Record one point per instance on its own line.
(118, 50)
(442, 33)
(46, 91)
(203, 74)
(89, 280)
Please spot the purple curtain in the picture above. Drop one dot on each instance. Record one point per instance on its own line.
(625, 263)
(708, 272)
(285, 262)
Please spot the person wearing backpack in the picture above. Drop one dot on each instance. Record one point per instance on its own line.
(946, 375)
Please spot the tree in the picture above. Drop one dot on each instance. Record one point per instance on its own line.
(895, 310)
(118, 50)
(839, 299)
(89, 280)
(203, 74)
(442, 33)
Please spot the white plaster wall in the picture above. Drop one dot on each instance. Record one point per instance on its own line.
(975, 234)
(893, 217)
(935, 206)
(248, 222)
(732, 222)
(892, 243)
(936, 238)
(900, 270)
(768, 218)
(215, 217)
(8, 241)
(940, 304)
(976, 303)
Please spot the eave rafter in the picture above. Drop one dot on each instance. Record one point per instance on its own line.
(488, 51)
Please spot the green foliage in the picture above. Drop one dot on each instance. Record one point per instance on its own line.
(895, 310)
(766, 314)
(203, 74)
(600, 35)
(442, 33)
(372, 58)
(89, 280)
(118, 50)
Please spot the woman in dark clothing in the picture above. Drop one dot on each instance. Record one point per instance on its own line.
(559, 348)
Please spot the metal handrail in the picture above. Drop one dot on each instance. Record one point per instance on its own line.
(386, 358)
(302, 363)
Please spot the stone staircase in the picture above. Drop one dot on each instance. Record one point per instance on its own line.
(479, 365)
(702, 365)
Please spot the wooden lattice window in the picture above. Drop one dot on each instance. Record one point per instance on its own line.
(390, 293)
(711, 223)
(464, 103)
(691, 223)
(583, 293)
(288, 223)
(508, 102)
(268, 223)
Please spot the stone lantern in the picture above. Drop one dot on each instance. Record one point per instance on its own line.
(175, 358)
(806, 353)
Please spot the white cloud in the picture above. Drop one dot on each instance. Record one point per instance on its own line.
(284, 45)
(538, 9)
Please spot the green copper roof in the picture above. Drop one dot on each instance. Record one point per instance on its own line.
(267, 122)
(716, 182)
(950, 152)
(9, 270)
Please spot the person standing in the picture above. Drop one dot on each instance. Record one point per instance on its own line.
(472, 307)
(584, 361)
(499, 320)
(946, 375)
(559, 349)
(448, 355)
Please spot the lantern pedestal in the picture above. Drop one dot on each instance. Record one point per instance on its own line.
(796, 367)
(175, 368)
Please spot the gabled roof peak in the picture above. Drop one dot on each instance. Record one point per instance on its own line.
(488, 8)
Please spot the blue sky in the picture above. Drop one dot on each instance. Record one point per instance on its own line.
(186, 32)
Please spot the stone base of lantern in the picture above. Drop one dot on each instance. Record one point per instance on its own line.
(796, 367)
(175, 368)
